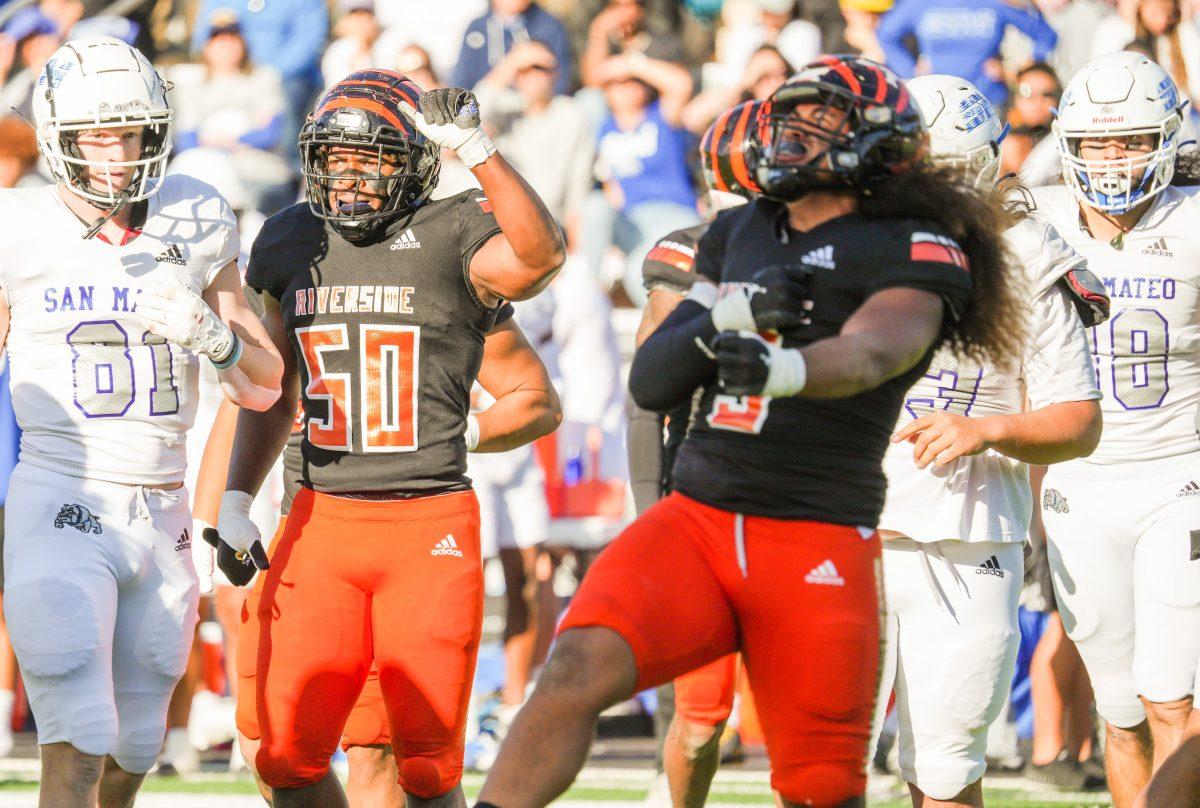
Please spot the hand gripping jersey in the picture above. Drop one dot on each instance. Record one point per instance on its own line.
(388, 338)
(1148, 353)
(986, 497)
(96, 396)
(797, 458)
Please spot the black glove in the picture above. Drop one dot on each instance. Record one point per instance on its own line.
(743, 363)
(776, 299)
(239, 571)
(450, 105)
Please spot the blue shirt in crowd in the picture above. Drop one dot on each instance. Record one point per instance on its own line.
(289, 35)
(489, 38)
(649, 162)
(957, 36)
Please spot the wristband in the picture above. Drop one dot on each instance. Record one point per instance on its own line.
(471, 436)
(478, 148)
(787, 374)
(732, 310)
(234, 355)
(703, 293)
(236, 503)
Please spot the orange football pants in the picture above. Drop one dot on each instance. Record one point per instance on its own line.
(687, 584)
(705, 695)
(396, 582)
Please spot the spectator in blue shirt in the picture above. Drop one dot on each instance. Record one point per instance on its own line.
(642, 161)
(961, 38)
(288, 35)
(508, 22)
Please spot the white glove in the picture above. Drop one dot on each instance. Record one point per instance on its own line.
(202, 556)
(234, 524)
(471, 436)
(450, 118)
(179, 315)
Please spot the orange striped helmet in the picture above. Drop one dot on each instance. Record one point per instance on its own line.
(842, 122)
(723, 150)
(362, 113)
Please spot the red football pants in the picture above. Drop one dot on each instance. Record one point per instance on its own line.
(354, 581)
(686, 584)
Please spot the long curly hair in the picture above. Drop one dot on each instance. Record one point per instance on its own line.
(992, 328)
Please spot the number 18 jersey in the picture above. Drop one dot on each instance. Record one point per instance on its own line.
(95, 394)
(1148, 353)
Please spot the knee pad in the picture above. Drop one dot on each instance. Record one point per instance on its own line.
(164, 635)
(142, 728)
(280, 769)
(53, 626)
(820, 784)
(429, 777)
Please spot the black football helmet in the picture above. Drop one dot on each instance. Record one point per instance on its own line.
(865, 115)
(363, 111)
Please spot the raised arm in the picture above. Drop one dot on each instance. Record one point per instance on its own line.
(523, 258)
(526, 406)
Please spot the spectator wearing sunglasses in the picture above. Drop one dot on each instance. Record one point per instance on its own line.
(1037, 93)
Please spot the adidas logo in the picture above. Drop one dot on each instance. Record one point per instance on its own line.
(447, 547)
(1189, 490)
(990, 567)
(821, 257)
(184, 542)
(826, 574)
(1159, 249)
(406, 241)
(172, 255)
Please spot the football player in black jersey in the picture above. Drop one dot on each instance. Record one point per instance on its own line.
(834, 290)
(380, 300)
(692, 713)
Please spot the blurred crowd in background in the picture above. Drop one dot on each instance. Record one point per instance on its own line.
(600, 104)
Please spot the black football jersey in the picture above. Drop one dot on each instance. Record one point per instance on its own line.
(388, 337)
(670, 266)
(797, 458)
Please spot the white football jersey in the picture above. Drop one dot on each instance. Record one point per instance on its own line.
(95, 395)
(986, 497)
(1148, 353)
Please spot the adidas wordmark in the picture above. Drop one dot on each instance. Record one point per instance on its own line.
(447, 547)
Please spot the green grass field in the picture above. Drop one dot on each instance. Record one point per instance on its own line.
(593, 789)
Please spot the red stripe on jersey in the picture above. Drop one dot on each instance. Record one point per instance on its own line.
(939, 254)
(666, 255)
(484, 204)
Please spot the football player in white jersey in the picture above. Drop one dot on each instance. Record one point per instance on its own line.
(116, 282)
(1120, 523)
(958, 501)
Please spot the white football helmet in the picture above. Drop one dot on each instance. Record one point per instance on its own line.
(964, 130)
(1119, 94)
(100, 82)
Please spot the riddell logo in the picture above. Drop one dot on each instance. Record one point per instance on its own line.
(447, 547)
(1108, 119)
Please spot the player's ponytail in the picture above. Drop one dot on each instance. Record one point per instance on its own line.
(992, 329)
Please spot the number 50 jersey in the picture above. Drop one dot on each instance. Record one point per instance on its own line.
(95, 394)
(388, 337)
(1148, 353)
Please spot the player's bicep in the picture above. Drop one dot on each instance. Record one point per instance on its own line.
(510, 363)
(896, 327)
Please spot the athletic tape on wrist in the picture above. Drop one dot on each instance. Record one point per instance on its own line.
(235, 354)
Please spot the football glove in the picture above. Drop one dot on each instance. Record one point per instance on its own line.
(179, 315)
(239, 542)
(202, 555)
(748, 365)
(776, 299)
(450, 118)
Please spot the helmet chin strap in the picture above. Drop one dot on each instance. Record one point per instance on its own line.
(122, 201)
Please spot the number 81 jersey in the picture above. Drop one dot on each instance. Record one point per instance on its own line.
(1147, 355)
(95, 394)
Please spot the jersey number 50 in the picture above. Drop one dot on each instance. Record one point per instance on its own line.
(387, 387)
